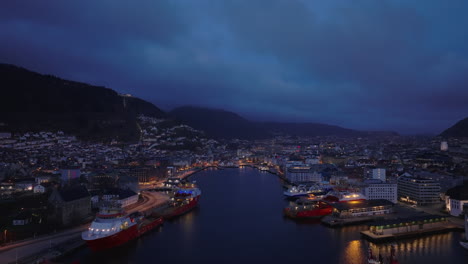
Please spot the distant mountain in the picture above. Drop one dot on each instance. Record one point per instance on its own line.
(219, 123)
(460, 129)
(310, 129)
(32, 102)
(224, 124)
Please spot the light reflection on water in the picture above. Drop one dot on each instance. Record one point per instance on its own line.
(240, 220)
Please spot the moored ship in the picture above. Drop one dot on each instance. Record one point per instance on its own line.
(308, 208)
(184, 199)
(113, 227)
(304, 190)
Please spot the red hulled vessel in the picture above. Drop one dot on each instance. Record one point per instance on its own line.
(184, 199)
(308, 208)
(113, 227)
(318, 206)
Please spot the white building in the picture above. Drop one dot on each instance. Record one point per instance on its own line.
(39, 189)
(386, 191)
(444, 146)
(379, 174)
(124, 197)
(455, 199)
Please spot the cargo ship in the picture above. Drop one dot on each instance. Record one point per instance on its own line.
(311, 207)
(113, 227)
(184, 199)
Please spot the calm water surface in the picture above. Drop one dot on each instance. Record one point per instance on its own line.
(239, 220)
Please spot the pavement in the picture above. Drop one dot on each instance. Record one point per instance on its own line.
(12, 252)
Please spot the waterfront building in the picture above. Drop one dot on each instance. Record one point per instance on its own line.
(408, 225)
(303, 174)
(362, 208)
(456, 198)
(124, 197)
(386, 191)
(418, 190)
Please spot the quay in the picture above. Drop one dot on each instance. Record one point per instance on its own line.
(52, 247)
(394, 229)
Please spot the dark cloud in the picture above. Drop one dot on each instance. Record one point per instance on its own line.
(384, 64)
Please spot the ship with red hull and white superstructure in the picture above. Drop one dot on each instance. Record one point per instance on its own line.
(319, 206)
(113, 227)
(308, 208)
(184, 199)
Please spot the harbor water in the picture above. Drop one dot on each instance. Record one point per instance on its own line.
(239, 220)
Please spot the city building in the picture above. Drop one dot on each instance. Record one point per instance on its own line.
(443, 146)
(39, 189)
(456, 198)
(379, 173)
(386, 191)
(124, 197)
(70, 205)
(303, 174)
(362, 208)
(418, 190)
(69, 174)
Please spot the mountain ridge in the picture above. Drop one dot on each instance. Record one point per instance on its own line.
(458, 130)
(34, 101)
(219, 123)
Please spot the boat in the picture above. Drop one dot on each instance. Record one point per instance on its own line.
(184, 199)
(343, 196)
(113, 227)
(263, 168)
(371, 259)
(310, 207)
(303, 190)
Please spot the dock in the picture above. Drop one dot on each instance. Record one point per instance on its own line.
(415, 226)
(392, 237)
(335, 221)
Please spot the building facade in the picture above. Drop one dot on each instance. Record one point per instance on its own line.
(418, 190)
(386, 191)
(70, 205)
(379, 174)
(303, 174)
(456, 198)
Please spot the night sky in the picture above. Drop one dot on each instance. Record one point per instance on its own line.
(396, 65)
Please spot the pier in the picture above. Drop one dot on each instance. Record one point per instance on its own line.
(395, 229)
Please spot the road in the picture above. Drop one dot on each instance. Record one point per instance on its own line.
(12, 252)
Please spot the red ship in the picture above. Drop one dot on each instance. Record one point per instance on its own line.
(318, 206)
(308, 208)
(184, 199)
(113, 227)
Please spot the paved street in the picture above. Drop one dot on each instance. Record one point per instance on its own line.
(10, 253)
